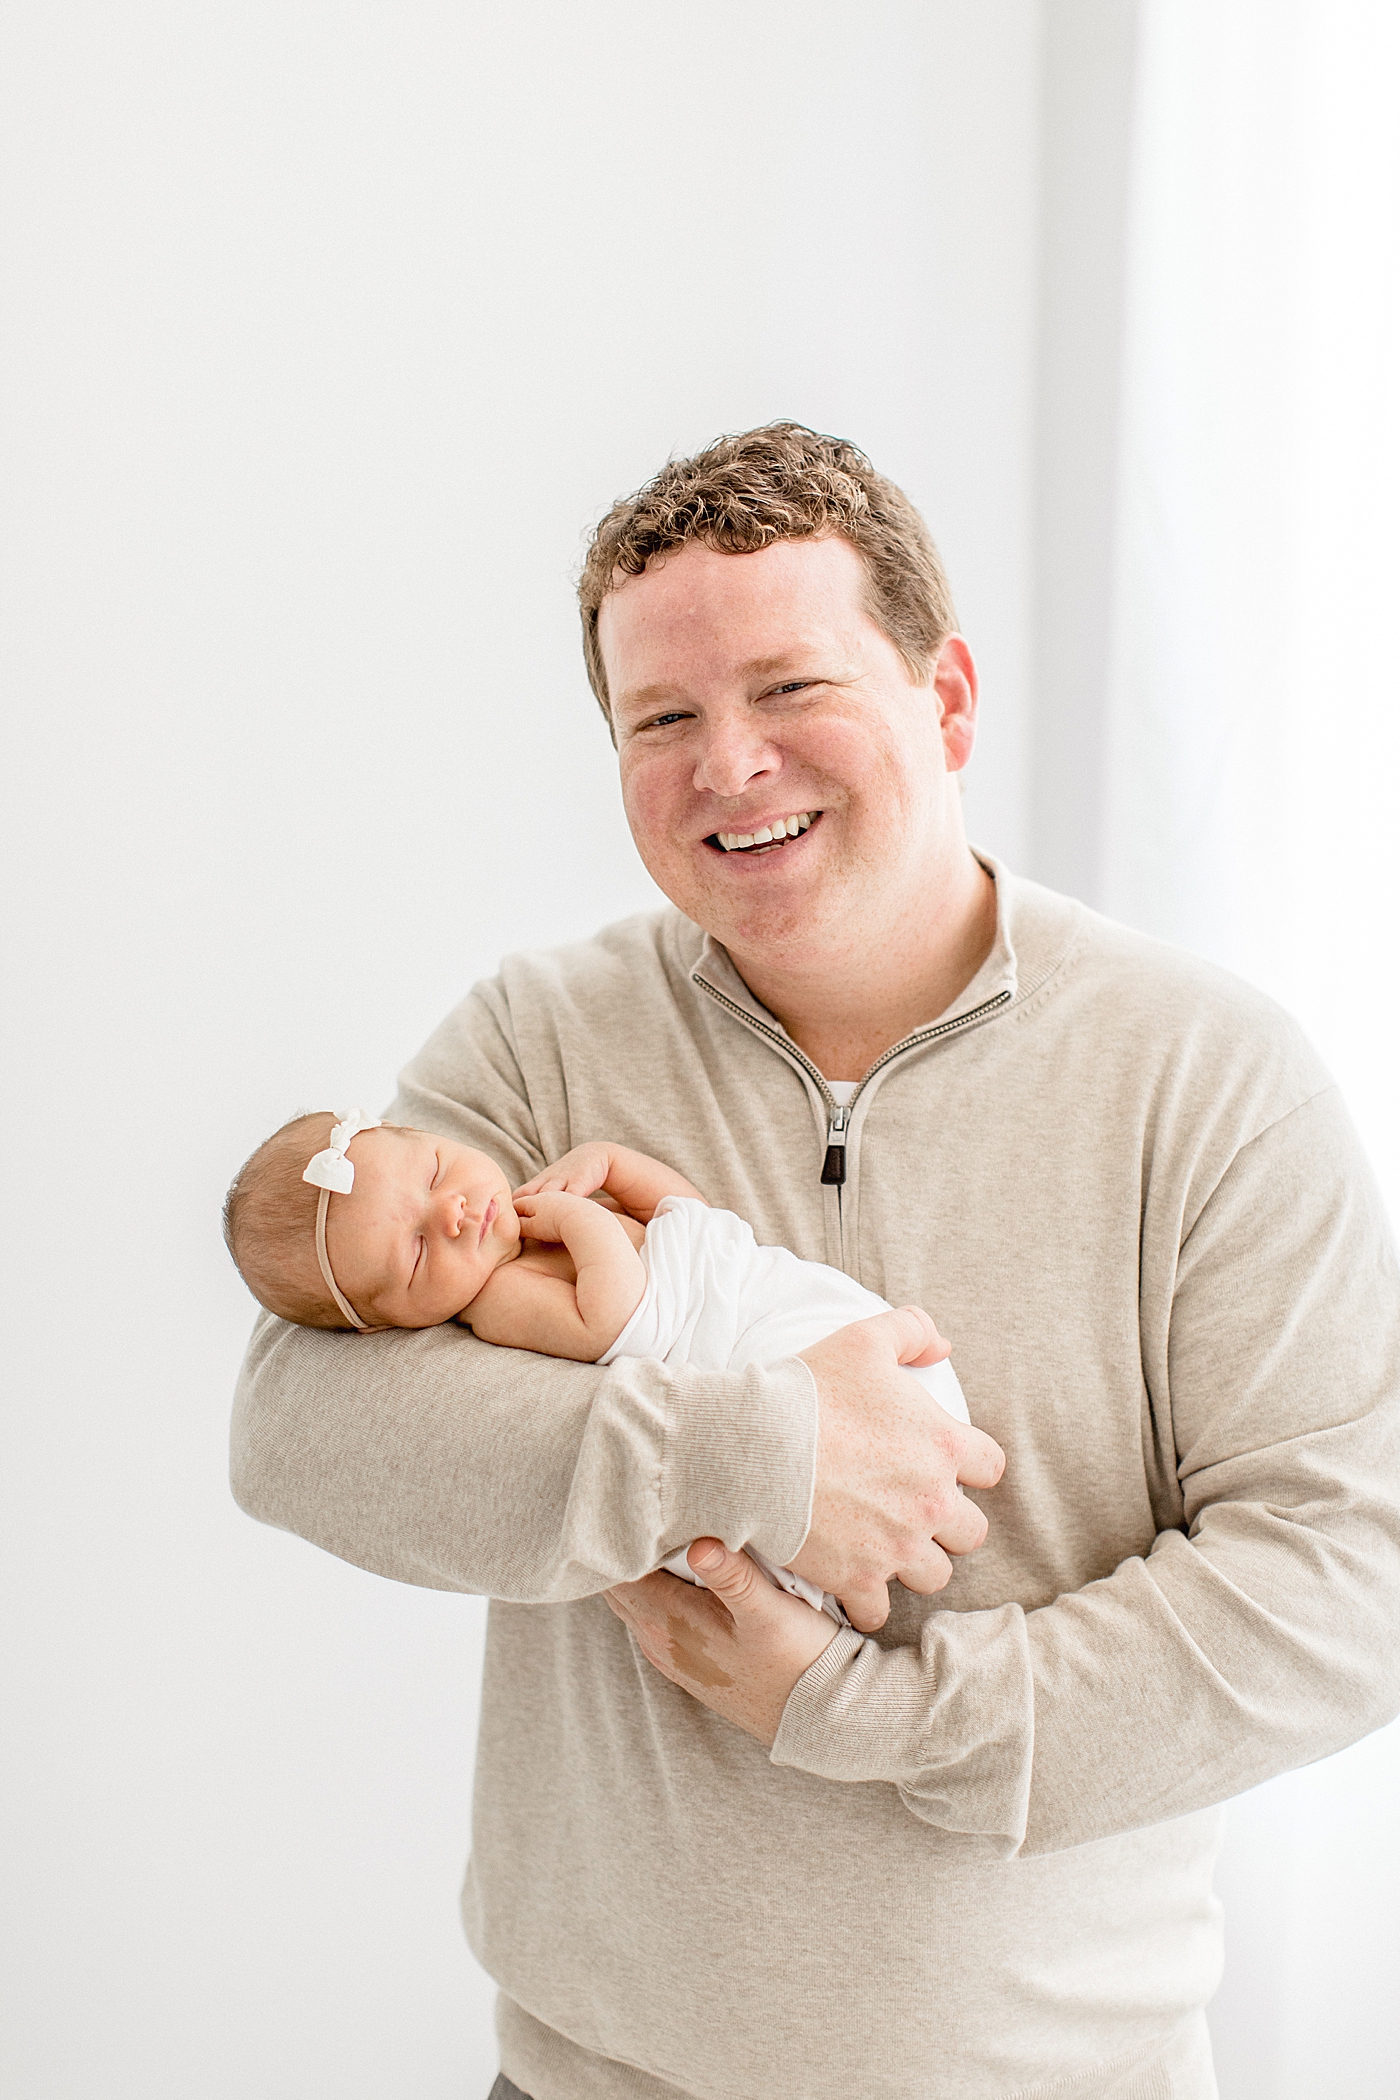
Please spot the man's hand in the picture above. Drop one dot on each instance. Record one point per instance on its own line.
(738, 1646)
(888, 1503)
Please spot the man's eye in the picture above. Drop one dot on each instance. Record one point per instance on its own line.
(794, 685)
(665, 721)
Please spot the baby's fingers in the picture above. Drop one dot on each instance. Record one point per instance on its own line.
(561, 1179)
(550, 1179)
(533, 1213)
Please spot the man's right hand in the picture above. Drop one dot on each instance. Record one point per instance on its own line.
(888, 1503)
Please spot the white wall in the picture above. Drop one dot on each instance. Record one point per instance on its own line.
(1089, 60)
(332, 329)
(1250, 748)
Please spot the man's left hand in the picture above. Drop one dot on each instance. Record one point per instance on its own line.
(738, 1646)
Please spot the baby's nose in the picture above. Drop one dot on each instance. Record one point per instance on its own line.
(452, 1210)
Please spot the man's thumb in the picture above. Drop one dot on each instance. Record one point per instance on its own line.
(731, 1576)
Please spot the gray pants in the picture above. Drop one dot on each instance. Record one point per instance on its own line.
(504, 2090)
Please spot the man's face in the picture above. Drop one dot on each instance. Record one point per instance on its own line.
(755, 689)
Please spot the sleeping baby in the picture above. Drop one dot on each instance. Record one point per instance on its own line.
(606, 1253)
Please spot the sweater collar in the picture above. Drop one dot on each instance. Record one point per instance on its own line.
(997, 976)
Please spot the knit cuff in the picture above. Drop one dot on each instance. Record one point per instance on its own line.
(741, 1459)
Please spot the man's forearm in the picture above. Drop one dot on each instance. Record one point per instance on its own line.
(436, 1459)
(1166, 1688)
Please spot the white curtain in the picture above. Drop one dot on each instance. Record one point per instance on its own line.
(1252, 762)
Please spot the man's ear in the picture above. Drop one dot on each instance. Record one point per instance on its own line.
(955, 683)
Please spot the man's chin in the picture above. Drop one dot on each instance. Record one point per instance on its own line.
(767, 928)
(750, 898)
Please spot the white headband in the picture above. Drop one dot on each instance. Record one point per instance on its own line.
(331, 1170)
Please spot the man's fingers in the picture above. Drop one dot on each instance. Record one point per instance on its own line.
(982, 1462)
(867, 1608)
(916, 1339)
(929, 1573)
(891, 1464)
(963, 1529)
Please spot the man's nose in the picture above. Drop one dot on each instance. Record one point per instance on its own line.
(737, 752)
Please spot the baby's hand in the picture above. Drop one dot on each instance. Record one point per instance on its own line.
(544, 1216)
(578, 1173)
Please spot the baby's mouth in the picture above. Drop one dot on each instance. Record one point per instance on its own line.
(488, 1221)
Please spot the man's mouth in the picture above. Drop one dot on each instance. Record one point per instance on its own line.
(766, 837)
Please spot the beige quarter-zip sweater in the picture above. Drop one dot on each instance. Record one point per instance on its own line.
(977, 1862)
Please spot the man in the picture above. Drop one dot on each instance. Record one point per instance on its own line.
(719, 1851)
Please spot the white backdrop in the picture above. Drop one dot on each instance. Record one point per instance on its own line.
(331, 330)
(1251, 745)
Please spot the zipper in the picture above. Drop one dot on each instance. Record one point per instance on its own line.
(834, 1165)
(839, 1113)
(783, 1044)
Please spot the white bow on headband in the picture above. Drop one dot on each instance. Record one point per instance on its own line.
(331, 1169)
(332, 1173)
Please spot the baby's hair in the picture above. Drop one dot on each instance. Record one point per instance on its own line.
(270, 1225)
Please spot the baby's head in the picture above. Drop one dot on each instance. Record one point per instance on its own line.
(397, 1229)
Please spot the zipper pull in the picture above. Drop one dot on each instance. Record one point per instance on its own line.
(834, 1165)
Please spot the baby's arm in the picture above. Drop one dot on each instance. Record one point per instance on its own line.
(524, 1309)
(635, 1183)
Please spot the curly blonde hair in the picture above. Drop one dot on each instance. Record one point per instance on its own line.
(782, 482)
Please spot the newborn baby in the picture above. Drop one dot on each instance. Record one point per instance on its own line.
(415, 1230)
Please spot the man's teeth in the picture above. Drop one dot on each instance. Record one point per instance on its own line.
(781, 828)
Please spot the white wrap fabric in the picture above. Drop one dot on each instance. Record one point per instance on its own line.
(716, 1300)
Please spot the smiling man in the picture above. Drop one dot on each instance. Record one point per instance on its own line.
(961, 1848)
(715, 726)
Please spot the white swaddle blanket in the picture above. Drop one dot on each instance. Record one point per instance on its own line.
(716, 1300)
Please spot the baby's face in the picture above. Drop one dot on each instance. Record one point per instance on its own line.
(424, 1226)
